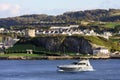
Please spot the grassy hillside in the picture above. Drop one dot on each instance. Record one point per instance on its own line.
(105, 24)
(21, 48)
(103, 42)
(111, 24)
(115, 38)
(110, 15)
(0, 39)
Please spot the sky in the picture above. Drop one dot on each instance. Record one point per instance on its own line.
(12, 8)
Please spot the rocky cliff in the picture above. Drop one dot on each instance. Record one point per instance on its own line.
(64, 44)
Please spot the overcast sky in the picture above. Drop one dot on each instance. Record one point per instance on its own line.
(9, 8)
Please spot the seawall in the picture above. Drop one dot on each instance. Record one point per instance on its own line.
(53, 57)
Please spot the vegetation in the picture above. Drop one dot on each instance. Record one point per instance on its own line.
(105, 24)
(111, 24)
(25, 44)
(113, 46)
(0, 39)
(22, 48)
(20, 54)
(67, 18)
(95, 18)
(115, 38)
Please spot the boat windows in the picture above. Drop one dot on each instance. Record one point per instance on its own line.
(75, 63)
(81, 63)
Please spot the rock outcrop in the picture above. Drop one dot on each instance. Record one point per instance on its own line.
(64, 44)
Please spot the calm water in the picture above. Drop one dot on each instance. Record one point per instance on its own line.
(46, 70)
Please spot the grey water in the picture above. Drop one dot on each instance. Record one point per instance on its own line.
(47, 70)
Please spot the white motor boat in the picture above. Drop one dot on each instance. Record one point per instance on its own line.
(82, 65)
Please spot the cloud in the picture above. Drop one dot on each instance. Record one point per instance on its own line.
(7, 9)
(4, 6)
(15, 9)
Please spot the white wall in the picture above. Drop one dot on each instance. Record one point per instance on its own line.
(103, 51)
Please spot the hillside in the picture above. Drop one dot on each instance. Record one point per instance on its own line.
(62, 44)
(44, 20)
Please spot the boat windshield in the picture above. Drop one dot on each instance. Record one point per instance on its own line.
(81, 63)
(75, 63)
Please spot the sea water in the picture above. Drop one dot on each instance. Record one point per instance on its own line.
(47, 70)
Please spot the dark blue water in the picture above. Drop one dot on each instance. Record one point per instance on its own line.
(46, 70)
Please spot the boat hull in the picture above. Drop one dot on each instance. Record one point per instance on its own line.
(75, 69)
(83, 65)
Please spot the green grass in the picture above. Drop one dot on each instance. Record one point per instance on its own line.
(20, 54)
(22, 47)
(95, 40)
(106, 24)
(0, 39)
(103, 42)
(111, 24)
(115, 38)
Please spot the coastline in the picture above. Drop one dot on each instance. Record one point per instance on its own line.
(56, 57)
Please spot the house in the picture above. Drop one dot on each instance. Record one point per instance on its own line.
(92, 32)
(1, 45)
(86, 31)
(74, 26)
(38, 32)
(63, 27)
(108, 33)
(100, 50)
(89, 32)
(119, 32)
(58, 27)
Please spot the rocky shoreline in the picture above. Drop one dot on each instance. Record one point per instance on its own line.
(56, 57)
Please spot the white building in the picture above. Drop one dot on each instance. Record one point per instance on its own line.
(107, 35)
(100, 51)
(1, 45)
(77, 32)
(64, 27)
(74, 26)
(119, 32)
(92, 33)
(58, 27)
(89, 32)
